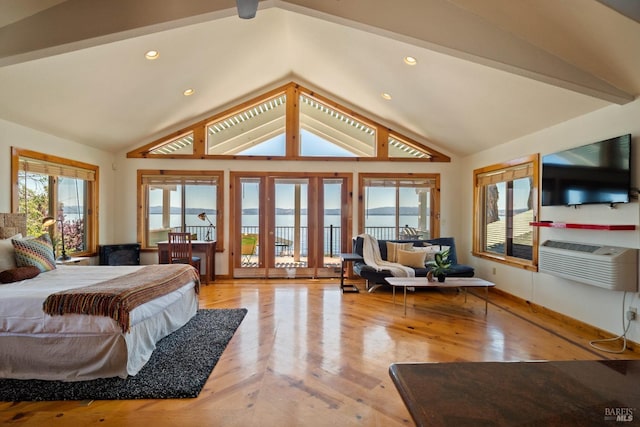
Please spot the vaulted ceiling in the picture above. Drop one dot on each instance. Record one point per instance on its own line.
(487, 72)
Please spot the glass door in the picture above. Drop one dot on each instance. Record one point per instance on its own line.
(288, 226)
(289, 238)
(247, 257)
(334, 238)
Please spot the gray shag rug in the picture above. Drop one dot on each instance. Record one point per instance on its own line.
(178, 368)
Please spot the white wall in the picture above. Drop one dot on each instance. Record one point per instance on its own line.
(13, 135)
(587, 303)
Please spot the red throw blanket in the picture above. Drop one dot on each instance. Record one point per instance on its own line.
(116, 297)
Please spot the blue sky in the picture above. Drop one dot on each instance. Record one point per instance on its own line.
(312, 145)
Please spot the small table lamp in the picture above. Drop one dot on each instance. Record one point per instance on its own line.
(48, 221)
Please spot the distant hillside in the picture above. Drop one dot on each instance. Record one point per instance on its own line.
(176, 210)
(386, 211)
(390, 210)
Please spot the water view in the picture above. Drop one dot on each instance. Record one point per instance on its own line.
(155, 220)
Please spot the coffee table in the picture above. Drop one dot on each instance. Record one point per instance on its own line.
(450, 282)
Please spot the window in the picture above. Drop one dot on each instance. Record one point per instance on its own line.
(401, 148)
(175, 201)
(60, 188)
(404, 206)
(327, 131)
(181, 145)
(505, 203)
(258, 130)
(291, 123)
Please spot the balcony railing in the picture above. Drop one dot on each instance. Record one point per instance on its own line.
(285, 237)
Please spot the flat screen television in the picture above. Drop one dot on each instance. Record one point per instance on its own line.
(592, 173)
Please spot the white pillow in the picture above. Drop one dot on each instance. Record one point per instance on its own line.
(7, 253)
(431, 250)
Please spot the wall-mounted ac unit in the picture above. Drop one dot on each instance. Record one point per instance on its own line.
(608, 267)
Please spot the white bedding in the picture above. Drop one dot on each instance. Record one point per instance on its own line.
(76, 347)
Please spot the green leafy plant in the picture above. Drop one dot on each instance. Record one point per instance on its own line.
(440, 264)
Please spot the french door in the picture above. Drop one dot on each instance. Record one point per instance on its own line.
(287, 225)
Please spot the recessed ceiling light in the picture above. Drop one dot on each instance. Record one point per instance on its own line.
(410, 60)
(386, 96)
(188, 92)
(152, 54)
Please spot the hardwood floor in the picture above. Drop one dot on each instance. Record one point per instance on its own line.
(306, 354)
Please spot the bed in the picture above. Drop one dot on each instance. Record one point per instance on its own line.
(76, 347)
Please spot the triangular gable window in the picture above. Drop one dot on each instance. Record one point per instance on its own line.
(182, 145)
(256, 130)
(291, 123)
(328, 132)
(312, 145)
(405, 149)
(273, 147)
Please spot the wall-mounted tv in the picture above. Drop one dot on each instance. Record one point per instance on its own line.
(592, 173)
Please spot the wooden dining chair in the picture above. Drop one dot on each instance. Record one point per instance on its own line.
(181, 251)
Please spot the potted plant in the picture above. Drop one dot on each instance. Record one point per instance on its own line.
(440, 265)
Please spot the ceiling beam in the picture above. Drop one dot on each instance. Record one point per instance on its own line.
(78, 24)
(630, 9)
(442, 26)
(437, 25)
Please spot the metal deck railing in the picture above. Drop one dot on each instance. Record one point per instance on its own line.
(285, 237)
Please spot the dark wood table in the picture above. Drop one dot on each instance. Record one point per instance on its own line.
(198, 246)
(566, 393)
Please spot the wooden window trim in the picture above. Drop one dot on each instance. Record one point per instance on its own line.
(92, 228)
(162, 172)
(434, 217)
(292, 91)
(267, 203)
(511, 169)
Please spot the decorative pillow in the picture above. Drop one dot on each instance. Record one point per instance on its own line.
(7, 254)
(431, 251)
(392, 250)
(36, 252)
(18, 274)
(413, 259)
